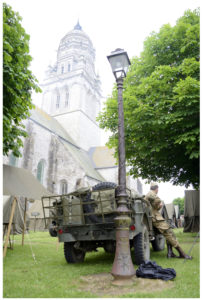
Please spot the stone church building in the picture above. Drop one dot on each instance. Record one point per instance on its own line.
(63, 149)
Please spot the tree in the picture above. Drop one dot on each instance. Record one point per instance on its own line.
(18, 81)
(161, 106)
(180, 202)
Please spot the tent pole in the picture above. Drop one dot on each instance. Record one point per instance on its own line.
(23, 233)
(9, 225)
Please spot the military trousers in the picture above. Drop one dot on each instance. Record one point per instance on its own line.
(167, 232)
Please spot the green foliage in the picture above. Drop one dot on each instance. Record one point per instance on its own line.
(18, 81)
(180, 202)
(161, 106)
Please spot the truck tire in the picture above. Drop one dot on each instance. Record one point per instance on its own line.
(159, 243)
(141, 246)
(52, 230)
(73, 255)
(110, 247)
(89, 208)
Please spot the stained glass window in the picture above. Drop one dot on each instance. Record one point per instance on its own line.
(63, 187)
(40, 170)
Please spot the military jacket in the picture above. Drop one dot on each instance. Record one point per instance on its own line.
(155, 202)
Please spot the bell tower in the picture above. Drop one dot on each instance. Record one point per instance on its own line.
(72, 90)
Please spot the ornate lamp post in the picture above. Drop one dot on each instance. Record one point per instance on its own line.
(122, 267)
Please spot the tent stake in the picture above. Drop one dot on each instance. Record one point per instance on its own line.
(198, 234)
(9, 225)
(23, 233)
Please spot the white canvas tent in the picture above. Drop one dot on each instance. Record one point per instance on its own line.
(177, 211)
(19, 182)
(18, 217)
(171, 213)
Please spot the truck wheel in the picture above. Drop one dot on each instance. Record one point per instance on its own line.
(73, 255)
(89, 208)
(159, 243)
(110, 247)
(141, 246)
(52, 231)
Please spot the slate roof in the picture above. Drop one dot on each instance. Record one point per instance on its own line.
(49, 123)
(42, 118)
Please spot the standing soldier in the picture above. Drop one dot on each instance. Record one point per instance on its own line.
(159, 222)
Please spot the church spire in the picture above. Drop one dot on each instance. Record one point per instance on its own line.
(78, 26)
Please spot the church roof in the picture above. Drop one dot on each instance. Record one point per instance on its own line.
(75, 35)
(45, 120)
(102, 157)
(49, 123)
(78, 26)
(83, 158)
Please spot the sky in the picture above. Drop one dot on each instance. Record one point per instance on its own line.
(110, 24)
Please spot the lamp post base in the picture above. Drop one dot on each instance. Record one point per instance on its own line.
(123, 282)
(122, 268)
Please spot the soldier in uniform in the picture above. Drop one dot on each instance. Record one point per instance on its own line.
(159, 222)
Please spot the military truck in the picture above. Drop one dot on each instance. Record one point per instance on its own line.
(84, 221)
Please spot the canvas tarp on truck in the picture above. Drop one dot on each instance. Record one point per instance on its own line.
(72, 210)
(191, 211)
(69, 207)
(105, 201)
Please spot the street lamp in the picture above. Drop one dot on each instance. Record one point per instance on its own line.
(122, 267)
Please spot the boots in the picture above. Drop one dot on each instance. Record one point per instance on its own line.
(170, 253)
(182, 254)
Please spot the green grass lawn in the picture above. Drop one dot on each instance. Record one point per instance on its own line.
(39, 270)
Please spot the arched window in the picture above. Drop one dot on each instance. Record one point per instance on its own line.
(13, 161)
(40, 170)
(66, 98)
(63, 187)
(58, 100)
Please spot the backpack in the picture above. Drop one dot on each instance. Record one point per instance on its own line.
(150, 269)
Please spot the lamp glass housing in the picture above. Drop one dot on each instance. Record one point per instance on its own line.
(119, 62)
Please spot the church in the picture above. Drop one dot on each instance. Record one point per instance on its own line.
(63, 148)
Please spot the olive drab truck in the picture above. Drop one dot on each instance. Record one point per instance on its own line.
(84, 221)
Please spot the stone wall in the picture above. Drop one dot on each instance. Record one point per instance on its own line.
(59, 162)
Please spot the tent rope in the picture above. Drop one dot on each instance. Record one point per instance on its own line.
(192, 246)
(30, 244)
